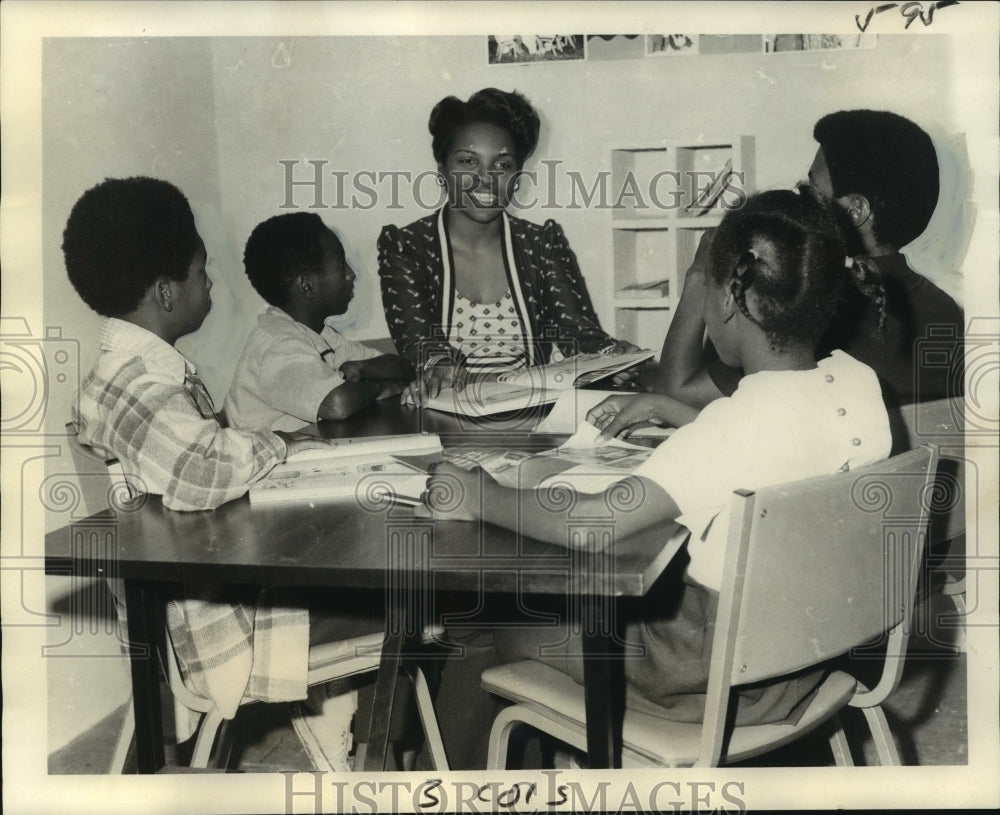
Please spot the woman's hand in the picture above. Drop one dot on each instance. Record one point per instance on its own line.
(630, 376)
(622, 347)
(390, 387)
(454, 493)
(430, 382)
(619, 415)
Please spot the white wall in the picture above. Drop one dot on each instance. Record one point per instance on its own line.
(215, 116)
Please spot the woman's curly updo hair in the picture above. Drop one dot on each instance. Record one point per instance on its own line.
(788, 248)
(508, 110)
(122, 235)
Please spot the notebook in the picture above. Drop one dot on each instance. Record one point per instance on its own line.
(363, 469)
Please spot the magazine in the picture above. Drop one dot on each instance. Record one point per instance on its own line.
(532, 387)
(581, 463)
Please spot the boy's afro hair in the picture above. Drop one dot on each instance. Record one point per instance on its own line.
(122, 235)
(280, 248)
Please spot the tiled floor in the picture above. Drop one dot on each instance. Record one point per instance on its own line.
(927, 714)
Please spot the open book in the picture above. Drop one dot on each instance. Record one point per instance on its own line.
(361, 468)
(580, 463)
(532, 387)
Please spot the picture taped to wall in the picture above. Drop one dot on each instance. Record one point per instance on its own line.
(514, 49)
(784, 43)
(671, 45)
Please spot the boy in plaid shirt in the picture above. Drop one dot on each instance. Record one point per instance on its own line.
(134, 255)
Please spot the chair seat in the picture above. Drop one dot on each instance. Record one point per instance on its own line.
(542, 692)
(342, 658)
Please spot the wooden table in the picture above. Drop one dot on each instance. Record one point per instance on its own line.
(345, 544)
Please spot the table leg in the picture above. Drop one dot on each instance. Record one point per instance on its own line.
(603, 675)
(384, 698)
(142, 605)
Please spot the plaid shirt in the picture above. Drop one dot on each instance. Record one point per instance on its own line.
(143, 404)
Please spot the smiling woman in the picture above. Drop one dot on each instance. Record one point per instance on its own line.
(471, 289)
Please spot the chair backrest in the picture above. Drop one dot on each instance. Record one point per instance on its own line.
(943, 423)
(85, 458)
(813, 569)
(823, 565)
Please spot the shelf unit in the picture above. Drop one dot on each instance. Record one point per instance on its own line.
(654, 234)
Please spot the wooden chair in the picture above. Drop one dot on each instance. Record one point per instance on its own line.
(327, 661)
(813, 569)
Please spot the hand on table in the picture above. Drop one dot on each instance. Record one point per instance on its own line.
(619, 415)
(431, 382)
(391, 387)
(453, 493)
(296, 442)
(353, 370)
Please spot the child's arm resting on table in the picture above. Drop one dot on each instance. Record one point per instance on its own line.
(387, 366)
(365, 380)
(463, 495)
(348, 398)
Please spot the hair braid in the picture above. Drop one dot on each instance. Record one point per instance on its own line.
(744, 273)
(867, 279)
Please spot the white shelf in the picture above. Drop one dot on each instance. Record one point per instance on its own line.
(653, 237)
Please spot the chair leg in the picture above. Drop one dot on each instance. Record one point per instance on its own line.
(226, 747)
(838, 743)
(206, 738)
(955, 589)
(885, 746)
(505, 722)
(124, 741)
(425, 707)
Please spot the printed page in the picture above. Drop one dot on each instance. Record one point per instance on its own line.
(575, 372)
(489, 399)
(412, 444)
(339, 478)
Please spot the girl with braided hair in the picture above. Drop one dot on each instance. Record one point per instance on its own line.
(781, 266)
(774, 278)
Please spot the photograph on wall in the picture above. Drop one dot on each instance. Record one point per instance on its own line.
(525, 49)
(357, 198)
(671, 45)
(781, 43)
